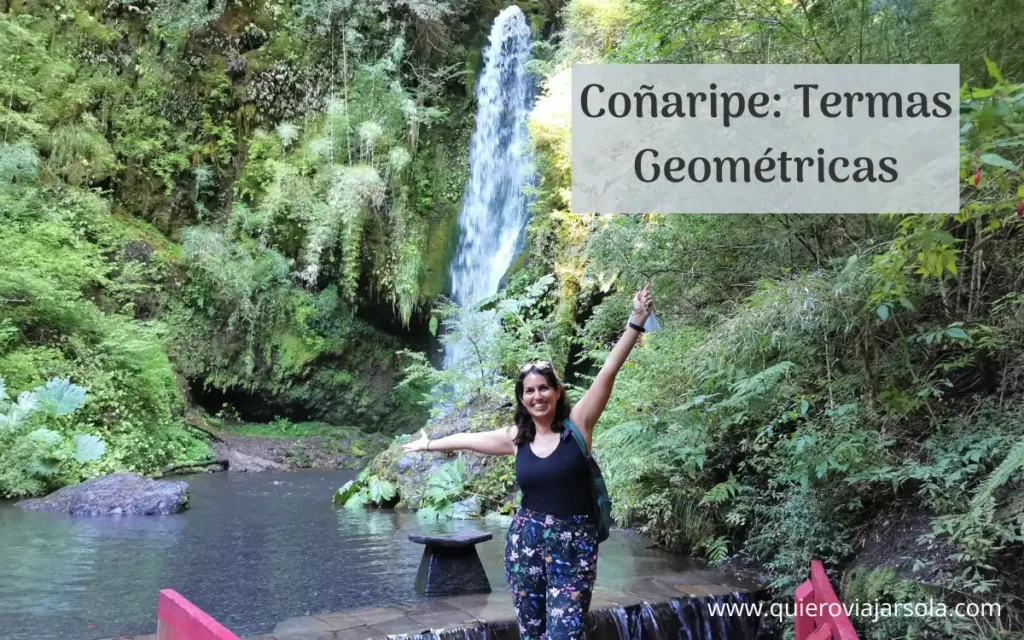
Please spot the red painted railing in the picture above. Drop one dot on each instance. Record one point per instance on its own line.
(179, 619)
(819, 614)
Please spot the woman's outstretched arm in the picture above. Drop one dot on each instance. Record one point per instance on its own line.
(587, 411)
(495, 443)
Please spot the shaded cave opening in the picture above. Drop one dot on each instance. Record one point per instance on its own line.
(246, 406)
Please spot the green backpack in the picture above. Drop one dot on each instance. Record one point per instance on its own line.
(602, 503)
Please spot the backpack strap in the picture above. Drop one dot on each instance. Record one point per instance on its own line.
(574, 430)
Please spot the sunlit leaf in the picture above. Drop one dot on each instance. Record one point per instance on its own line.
(355, 502)
(61, 396)
(89, 448)
(996, 160)
(957, 333)
(346, 491)
(46, 437)
(19, 411)
(993, 70)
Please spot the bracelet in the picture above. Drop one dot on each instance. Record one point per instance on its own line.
(428, 444)
(633, 325)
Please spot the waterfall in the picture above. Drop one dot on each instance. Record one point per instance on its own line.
(676, 619)
(683, 619)
(494, 207)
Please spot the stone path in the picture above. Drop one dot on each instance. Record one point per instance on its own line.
(494, 609)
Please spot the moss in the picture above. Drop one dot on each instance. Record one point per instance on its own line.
(286, 429)
(441, 240)
(136, 229)
(438, 177)
(474, 63)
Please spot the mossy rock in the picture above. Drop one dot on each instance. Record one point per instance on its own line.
(410, 471)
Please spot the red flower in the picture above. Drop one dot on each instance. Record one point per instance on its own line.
(977, 176)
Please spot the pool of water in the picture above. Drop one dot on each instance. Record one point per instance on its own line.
(252, 550)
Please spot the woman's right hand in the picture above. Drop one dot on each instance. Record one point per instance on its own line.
(418, 445)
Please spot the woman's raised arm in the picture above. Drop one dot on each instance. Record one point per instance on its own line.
(587, 411)
(494, 443)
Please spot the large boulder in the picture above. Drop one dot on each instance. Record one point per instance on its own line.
(409, 472)
(117, 494)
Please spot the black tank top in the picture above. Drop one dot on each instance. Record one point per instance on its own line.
(559, 484)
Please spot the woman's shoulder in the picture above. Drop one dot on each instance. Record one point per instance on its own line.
(511, 432)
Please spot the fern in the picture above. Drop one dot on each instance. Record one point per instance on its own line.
(717, 548)
(79, 154)
(753, 387)
(288, 133)
(19, 162)
(353, 189)
(407, 278)
(723, 491)
(982, 499)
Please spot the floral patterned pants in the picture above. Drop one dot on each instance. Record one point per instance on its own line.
(551, 566)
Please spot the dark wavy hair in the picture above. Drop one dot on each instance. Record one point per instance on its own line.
(524, 421)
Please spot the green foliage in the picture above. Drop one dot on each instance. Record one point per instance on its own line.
(36, 455)
(810, 369)
(69, 313)
(884, 586)
(366, 490)
(444, 488)
(496, 487)
(496, 337)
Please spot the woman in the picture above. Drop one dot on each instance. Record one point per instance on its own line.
(551, 548)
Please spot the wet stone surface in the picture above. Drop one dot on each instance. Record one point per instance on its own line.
(653, 605)
(117, 494)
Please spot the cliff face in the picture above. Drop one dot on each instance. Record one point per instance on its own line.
(256, 197)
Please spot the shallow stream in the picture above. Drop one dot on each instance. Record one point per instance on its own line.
(253, 549)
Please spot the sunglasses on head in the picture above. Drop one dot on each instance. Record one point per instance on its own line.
(539, 365)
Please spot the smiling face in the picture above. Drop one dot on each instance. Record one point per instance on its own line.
(540, 397)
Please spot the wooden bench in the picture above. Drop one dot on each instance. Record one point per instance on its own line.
(450, 565)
